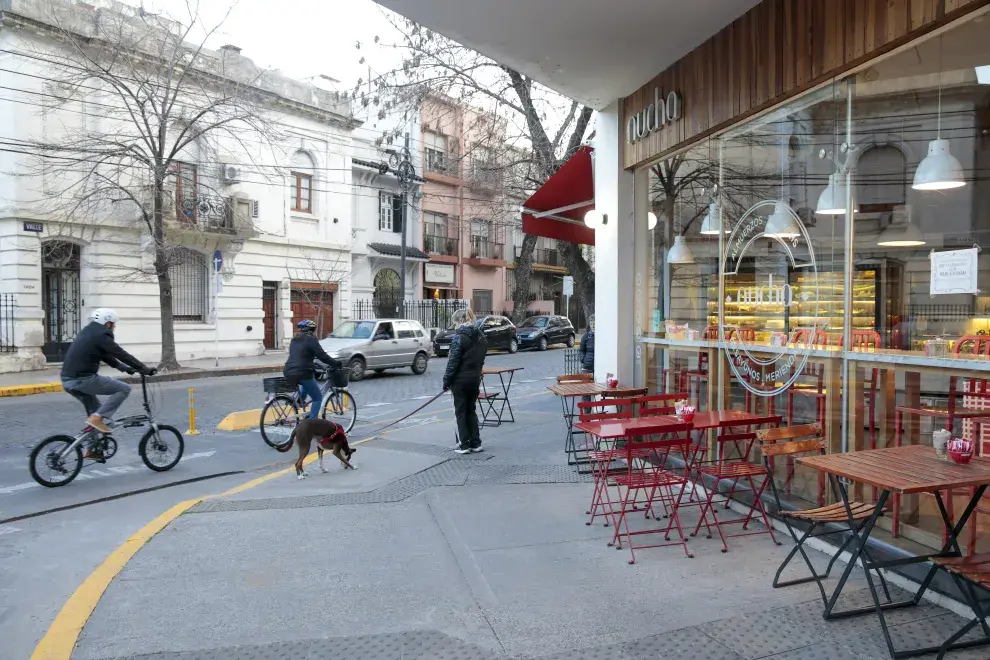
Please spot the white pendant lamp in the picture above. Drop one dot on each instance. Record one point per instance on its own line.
(832, 201)
(680, 253)
(782, 223)
(595, 219)
(901, 232)
(709, 225)
(651, 221)
(940, 170)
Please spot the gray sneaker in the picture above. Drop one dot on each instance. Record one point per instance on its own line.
(477, 450)
(462, 450)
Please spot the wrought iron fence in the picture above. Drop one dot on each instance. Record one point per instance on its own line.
(7, 307)
(572, 362)
(430, 313)
(483, 248)
(440, 245)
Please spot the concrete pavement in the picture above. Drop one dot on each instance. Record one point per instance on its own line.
(421, 553)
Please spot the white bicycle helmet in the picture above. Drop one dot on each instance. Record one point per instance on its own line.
(104, 315)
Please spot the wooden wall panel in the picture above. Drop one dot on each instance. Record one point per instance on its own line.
(777, 50)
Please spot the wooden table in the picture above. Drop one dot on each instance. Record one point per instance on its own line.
(901, 470)
(569, 394)
(491, 411)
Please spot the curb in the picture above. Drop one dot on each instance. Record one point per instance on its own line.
(242, 420)
(48, 388)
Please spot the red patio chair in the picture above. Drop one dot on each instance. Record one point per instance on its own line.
(601, 453)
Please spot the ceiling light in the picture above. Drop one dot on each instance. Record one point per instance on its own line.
(709, 226)
(782, 223)
(651, 220)
(680, 253)
(901, 232)
(832, 201)
(940, 170)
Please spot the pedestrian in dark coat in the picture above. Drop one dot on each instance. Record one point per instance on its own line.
(462, 378)
(587, 350)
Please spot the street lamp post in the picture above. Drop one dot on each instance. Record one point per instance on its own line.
(406, 173)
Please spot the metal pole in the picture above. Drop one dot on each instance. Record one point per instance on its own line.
(216, 319)
(402, 256)
(406, 174)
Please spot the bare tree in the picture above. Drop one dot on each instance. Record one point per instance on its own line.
(541, 124)
(323, 276)
(154, 103)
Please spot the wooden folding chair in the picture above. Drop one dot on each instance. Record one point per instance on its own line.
(790, 442)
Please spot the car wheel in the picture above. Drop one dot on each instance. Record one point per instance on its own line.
(419, 364)
(513, 346)
(357, 366)
(543, 344)
(570, 341)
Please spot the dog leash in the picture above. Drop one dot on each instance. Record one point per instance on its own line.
(402, 419)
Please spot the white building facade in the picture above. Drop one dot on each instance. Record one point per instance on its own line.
(278, 212)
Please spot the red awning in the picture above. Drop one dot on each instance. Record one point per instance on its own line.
(557, 209)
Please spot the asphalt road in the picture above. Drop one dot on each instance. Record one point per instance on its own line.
(51, 539)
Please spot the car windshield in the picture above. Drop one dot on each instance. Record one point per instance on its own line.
(354, 330)
(535, 322)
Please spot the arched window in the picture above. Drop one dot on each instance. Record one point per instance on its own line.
(881, 179)
(387, 293)
(301, 182)
(190, 288)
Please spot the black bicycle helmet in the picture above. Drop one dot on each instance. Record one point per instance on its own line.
(307, 325)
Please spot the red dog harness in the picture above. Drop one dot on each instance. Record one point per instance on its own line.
(338, 434)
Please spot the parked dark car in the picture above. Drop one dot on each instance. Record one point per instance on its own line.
(542, 331)
(499, 331)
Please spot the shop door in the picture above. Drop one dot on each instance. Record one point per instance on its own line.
(314, 305)
(269, 297)
(60, 297)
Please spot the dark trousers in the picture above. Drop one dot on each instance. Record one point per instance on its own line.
(466, 412)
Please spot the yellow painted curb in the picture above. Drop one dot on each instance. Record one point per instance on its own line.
(242, 420)
(25, 390)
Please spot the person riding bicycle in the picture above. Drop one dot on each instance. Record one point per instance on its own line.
(303, 349)
(80, 369)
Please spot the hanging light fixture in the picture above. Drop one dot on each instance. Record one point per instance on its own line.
(782, 222)
(832, 201)
(901, 232)
(651, 221)
(680, 253)
(940, 170)
(709, 225)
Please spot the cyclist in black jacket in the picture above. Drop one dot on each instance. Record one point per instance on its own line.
(303, 349)
(465, 361)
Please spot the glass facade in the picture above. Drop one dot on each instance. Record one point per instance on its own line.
(763, 295)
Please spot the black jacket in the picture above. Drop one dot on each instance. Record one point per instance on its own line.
(95, 344)
(303, 349)
(468, 349)
(587, 351)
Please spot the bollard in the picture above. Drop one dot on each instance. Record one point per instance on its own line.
(192, 413)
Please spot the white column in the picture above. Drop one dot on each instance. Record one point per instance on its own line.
(614, 253)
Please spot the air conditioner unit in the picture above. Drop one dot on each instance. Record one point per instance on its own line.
(230, 173)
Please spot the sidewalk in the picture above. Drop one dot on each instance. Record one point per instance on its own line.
(24, 383)
(421, 553)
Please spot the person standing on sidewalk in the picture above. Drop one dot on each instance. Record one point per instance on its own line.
(465, 361)
(587, 350)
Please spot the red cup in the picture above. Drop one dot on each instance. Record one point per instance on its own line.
(688, 417)
(613, 383)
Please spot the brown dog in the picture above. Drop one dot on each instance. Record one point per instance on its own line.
(329, 437)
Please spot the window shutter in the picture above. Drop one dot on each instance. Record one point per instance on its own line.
(397, 214)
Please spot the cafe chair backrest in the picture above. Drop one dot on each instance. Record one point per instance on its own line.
(805, 336)
(863, 339)
(973, 345)
(596, 411)
(576, 378)
(660, 438)
(659, 404)
(791, 440)
(741, 434)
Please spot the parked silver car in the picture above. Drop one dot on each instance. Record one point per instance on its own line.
(378, 345)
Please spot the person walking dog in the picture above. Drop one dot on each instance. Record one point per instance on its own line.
(462, 378)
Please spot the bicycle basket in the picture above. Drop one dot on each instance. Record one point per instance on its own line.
(278, 385)
(340, 377)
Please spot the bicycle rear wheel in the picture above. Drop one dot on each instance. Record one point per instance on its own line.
(49, 467)
(161, 448)
(278, 418)
(341, 409)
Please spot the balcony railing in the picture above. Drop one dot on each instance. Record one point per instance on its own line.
(440, 163)
(543, 256)
(441, 245)
(484, 248)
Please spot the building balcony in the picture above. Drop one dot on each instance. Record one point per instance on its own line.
(485, 252)
(442, 249)
(484, 177)
(230, 216)
(543, 257)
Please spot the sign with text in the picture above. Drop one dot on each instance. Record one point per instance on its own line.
(568, 285)
(954, 271)
(663, 111)
(766, 295)
(440, 273)
(35, 227)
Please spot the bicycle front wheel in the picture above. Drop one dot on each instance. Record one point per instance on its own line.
(52, 465)
(161, 448)
(341, 409)
(278, 418)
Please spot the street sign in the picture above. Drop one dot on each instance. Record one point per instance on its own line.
(217, 261)
(568, 285)
(36, 227)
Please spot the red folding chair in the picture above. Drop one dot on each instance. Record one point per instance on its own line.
(601, 453)
(658, 404)
(647, 476)
(733, 445)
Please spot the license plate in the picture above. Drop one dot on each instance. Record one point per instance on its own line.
(443, 346)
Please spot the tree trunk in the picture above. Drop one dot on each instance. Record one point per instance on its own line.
(169, 361)
(584, 276)
(524, 272)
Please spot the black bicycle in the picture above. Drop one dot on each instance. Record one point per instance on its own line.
(58, 459)
(286, 405)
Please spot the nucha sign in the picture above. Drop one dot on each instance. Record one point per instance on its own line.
(658, 114)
